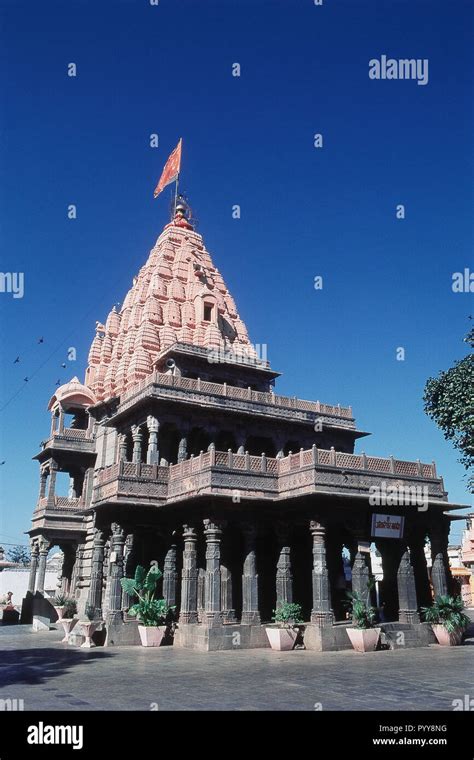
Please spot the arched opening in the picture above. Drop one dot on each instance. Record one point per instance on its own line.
(168, 443)
(129, 441)
(259, 444)
(198, 440)
(225, 440)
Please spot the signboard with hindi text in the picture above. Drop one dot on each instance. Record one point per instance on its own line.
(387, 526)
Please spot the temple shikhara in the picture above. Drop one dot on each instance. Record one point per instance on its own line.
(180, 451)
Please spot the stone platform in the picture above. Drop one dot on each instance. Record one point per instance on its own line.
(215, 638)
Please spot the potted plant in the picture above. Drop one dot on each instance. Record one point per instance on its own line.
(287, 617)
(364, 634)
(68, 621)
(151, 613)
(89, 627)
(59, 602)
(447, 619)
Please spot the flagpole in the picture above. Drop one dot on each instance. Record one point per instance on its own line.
(176, 195)
(177, 178)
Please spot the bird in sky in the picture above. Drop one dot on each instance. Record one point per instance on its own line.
(17, 360)
(41, 340)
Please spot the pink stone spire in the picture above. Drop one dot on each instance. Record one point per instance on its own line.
(178, 296)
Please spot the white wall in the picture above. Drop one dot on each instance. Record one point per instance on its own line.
(16, 579)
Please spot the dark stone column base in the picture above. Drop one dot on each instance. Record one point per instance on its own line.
(228, 616)
(203, 638)
(213, 619)
(186, 618)
(326, 638)
(322, 618)
(250, 618)
(120, 632)
(408, 616)
(407, 635)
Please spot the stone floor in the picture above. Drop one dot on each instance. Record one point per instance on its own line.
(49, 675)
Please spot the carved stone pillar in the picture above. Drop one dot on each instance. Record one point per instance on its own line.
(183, 449)
(416, 543)
(94, 598)
(321, 613)
(201, 595)
(213, 533)
(34, 566)
(76, 568)
(439, 570)
(116, 569)
(188, 612)
(152, 455)
(439, 576)
(122, 447)
(137, 444)
(284, 576)
(128, 567)
(170, 576)
(407, 601)
(65, 573)
(43, 481)
(250, 608)
(53, 467)
(228, 611)
(44, 547)
(361, 577)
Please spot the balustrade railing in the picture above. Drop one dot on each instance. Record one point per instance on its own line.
(313, 457)
(231, 391)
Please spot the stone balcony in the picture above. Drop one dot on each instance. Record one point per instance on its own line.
(230, 397)
(60, 502)
(217, 473)
(59, 514)
(70, 439)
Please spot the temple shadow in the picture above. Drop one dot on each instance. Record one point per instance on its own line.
(38, 666)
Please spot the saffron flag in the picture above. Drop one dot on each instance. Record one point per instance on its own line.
(171, 170)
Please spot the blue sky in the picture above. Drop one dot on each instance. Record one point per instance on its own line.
(248, 140)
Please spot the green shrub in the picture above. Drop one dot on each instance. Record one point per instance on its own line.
(288, 615)
(363, 614)
(148, 610)
(448, 612)
(70, 608)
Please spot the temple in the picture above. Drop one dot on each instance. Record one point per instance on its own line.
(179, 450)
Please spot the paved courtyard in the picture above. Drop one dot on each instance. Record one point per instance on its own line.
(49, 675)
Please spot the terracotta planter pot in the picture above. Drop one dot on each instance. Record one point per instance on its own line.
(281, 639)
(151, 635)
(446, 639)
(68, 624)
(59, 612)
(364, 639)
(88, 629)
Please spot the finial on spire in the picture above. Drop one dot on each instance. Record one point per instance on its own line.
(180, 213)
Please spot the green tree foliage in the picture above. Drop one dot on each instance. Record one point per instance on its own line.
(449, 401)
(19, 554)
